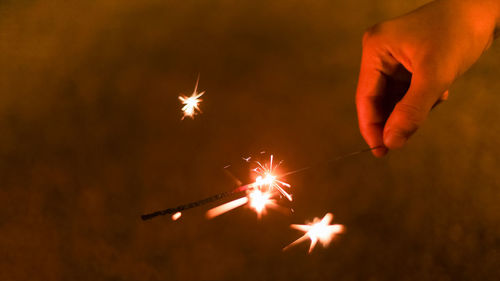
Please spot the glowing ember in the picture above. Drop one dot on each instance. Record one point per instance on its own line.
(266, 178)
(191, 106)
(176, 216)
(318, 230)
(260, 200)
(219, 210)
(256, 199)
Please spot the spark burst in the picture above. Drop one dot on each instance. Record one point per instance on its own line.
(268, 179)
(191, 104)
(318, 230)
(260, 194)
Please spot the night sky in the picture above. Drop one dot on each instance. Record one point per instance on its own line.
(91, 137)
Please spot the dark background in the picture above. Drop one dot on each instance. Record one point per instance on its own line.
(91, 138)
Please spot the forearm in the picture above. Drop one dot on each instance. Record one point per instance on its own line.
(484, 15)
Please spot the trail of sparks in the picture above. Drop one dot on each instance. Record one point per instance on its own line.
(191, 104)
(221, 209)
(317, 231)
(259, 193)
(251, 186)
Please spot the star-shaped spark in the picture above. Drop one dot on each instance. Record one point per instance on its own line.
(318, 230)
(191, 104)
(267, 179)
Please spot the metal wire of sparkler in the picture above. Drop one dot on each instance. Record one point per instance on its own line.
(246, 187)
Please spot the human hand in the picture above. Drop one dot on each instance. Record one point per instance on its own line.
(408, 64)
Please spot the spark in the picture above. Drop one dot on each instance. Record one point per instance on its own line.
(318, 230)
(260, 200)
(176, 216)
(191, 104)
(267, 178)
(259, 194)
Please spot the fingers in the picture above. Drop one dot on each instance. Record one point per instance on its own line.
(382, 121)
(368, 98)
(409, 114)
(370, 118)
(370, 94)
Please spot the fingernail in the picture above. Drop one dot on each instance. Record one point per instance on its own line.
(393, 140)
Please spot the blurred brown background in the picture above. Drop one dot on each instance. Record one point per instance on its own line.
(91, 138)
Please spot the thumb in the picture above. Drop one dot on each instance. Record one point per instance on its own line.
(411, 111)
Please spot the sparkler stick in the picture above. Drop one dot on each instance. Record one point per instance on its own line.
(245, 187)
(194, 204)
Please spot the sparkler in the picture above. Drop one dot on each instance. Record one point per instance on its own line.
(317, 231)
(250, 187)
(259, 193)
(191, 104)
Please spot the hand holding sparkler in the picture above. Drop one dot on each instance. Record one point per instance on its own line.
(409, 63)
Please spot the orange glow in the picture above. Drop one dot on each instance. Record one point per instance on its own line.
(219, 210)
(191, 104)
(318, 230)
(260, 200)
(259, 193)
(176, 216)
(266, 178)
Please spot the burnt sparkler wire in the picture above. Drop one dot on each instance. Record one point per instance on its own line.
(195, 204)
(246, 187)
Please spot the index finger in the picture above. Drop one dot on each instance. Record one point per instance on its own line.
(369, 98)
